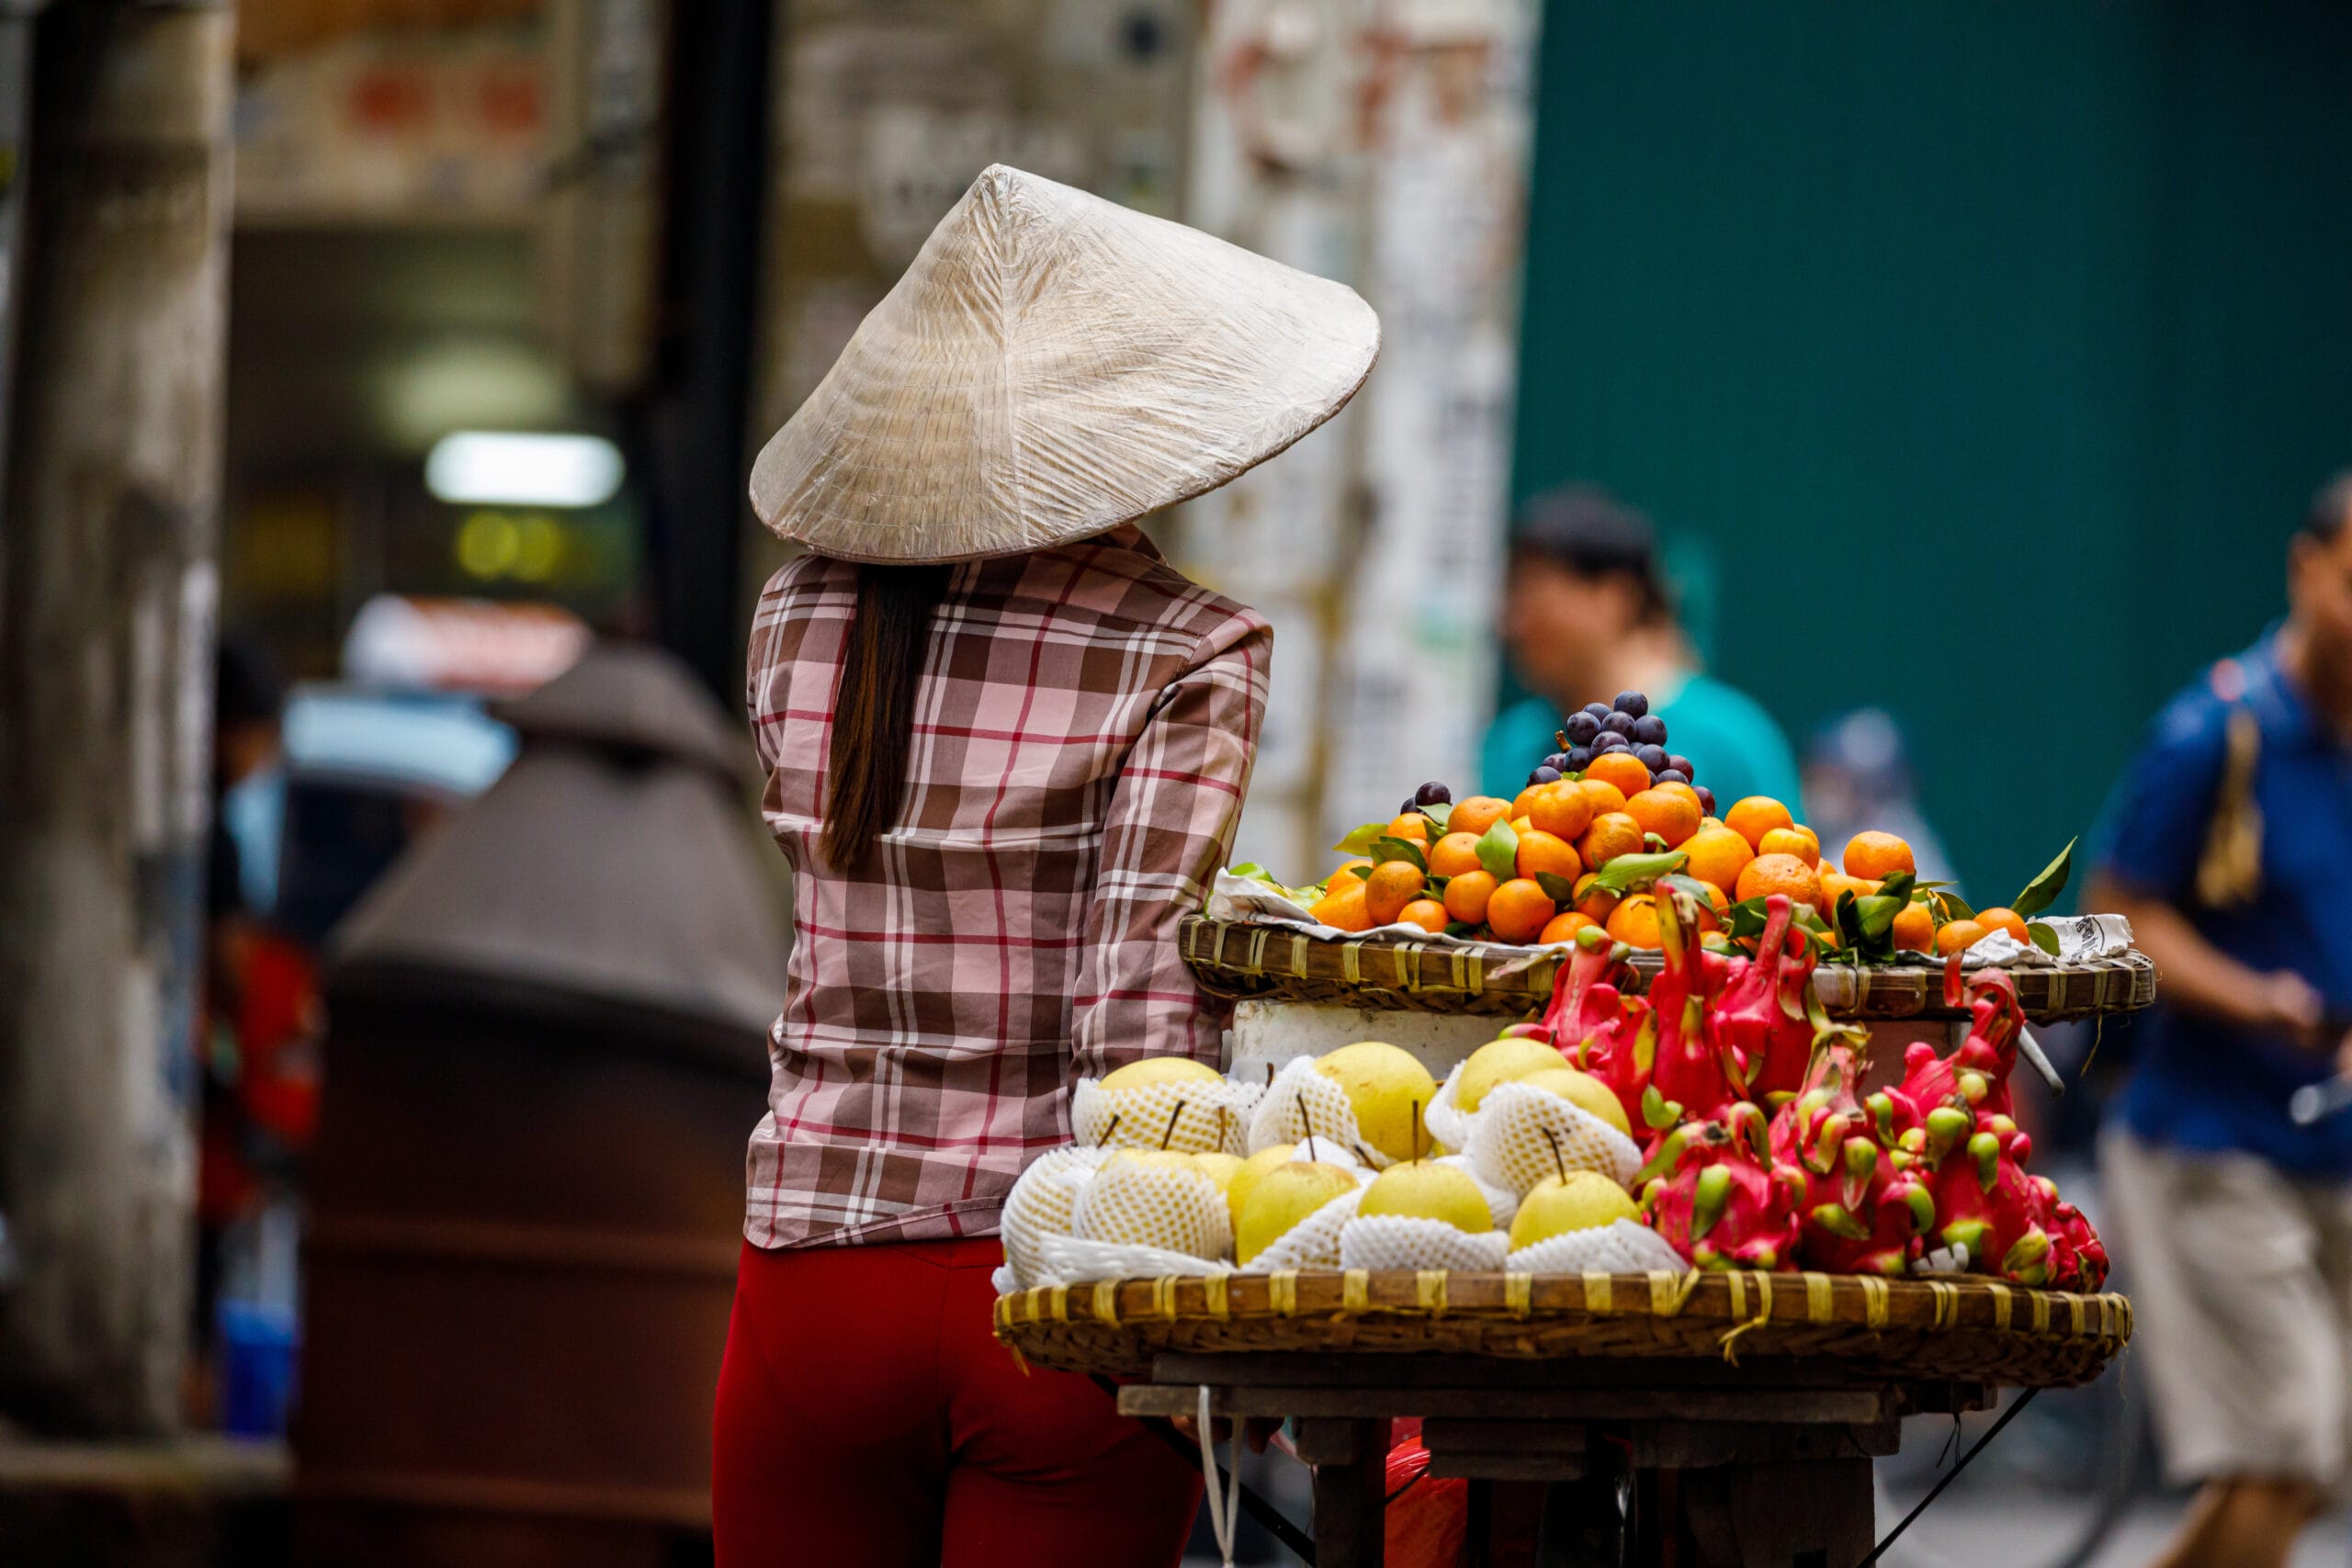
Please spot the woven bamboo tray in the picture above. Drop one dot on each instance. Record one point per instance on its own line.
(1963, 1329)
(1244, 961)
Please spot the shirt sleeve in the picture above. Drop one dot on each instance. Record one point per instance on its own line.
(2152, 832)
(1169, 828)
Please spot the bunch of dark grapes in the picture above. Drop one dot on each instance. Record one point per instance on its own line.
(1626, 725)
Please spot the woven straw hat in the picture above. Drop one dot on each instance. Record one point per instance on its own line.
(1052, 365)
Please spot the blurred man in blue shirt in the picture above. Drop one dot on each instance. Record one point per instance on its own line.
(1584, 616)
(2229, 845)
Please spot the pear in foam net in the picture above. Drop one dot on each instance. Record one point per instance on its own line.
(1580, 1200)
(1419, 1189)
(1508, 1060)
(1387, 1088)
(1155, 1070)
(1286, 1194)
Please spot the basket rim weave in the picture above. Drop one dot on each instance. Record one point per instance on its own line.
(1967, 1325)
(1263, 961)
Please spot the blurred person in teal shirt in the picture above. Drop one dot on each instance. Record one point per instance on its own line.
(1585, 616)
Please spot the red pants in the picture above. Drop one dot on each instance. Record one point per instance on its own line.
(866, 1415)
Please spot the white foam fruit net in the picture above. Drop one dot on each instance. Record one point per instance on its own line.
(1448, 1124)
(1214, 1116)
(1131, 1204)
(1300, 1100)
(1512, 1138)
(1312, 1243)
(1621, 1246)
(1041, 1206)
(1072, 1261)
(1401, 1241)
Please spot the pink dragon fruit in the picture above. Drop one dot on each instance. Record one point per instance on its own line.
(1977, 1074)
(1602, 1030)
(1694, 1076)
(1766, 1012)
(1985, 1200)
(2078, 1257)
(1863, 1210)
(1717, 1197)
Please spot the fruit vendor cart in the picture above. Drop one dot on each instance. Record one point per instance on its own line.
(1669, 1415)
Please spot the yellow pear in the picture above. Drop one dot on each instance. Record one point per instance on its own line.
(1580, 1200)
(1238, 1187)
(1584, 1091)
(1218, 1167)
(1421, 1191)
(1153, 1071)
(1388, 1088)
(1501, 1061)
(1284, 1195)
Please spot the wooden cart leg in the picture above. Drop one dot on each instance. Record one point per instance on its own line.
(1351, 1461)
(1816, 1514)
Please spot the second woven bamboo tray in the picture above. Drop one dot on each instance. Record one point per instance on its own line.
(1247, 961)
(1964, 1328)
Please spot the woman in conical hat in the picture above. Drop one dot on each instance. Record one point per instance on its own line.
(1006, 745)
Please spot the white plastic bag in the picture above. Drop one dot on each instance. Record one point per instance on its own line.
(1621, 1246)
(1400, 1241)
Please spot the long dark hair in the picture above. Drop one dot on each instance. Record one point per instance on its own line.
(873, 709)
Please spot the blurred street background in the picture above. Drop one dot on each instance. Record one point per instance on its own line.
(379, 380)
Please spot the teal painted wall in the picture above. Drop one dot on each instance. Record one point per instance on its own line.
(1987, 352)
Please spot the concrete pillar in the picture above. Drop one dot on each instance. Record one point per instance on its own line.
(108, 587)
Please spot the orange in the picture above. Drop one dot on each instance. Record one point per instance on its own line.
(1604, 796)
(1475, 815)
(1563, 926)
(1915, 929)
(1622, 768)
(1757, 814)
(1767, 874)
(1954, 935)
(1539, 850)
(1522, 826)
(1394, 884)
(1467, 897)
(1563, 810)
(1453, 855)
(1596, 905)
(1344, 906)
(1635, 923)
(1717, 856)
(1519, 911)
(1878, 854)
(1612, 833)
(1524, 801)
(1718, 905)
(1412, 826)
(1998, 919)
(1426, 913)
(1797, 842)
(1685, 792)
(1833, 883)
(1665, 813)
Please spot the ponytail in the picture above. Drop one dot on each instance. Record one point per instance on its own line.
(873, 709)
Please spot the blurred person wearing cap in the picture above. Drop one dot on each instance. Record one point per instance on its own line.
(1857, 777)
(1585, 616)
(2228, 844)
(1006, 745)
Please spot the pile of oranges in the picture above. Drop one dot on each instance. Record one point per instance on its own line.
(1429, 870)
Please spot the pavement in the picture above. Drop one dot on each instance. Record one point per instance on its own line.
(1977, 1531)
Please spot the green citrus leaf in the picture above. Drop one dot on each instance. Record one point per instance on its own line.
(1384, 850)
(1438, 815)
(1360, 842)
(2044, 936)
(1561, 888)
(1628, 872)
(1950, 906)
(1499, 850)
(2043, 890)
(1899, 885)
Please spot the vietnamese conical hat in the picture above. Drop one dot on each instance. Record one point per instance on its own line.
(1054, 365)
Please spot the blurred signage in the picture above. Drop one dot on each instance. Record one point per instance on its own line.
(413, 125)
(460, 645)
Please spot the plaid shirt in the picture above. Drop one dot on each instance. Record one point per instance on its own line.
(1082, 737)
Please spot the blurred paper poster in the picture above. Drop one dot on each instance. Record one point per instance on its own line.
(1386, 145)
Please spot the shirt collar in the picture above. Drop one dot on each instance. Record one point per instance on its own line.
(2273, 698)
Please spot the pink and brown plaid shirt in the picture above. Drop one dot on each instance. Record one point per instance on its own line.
(1082, 737)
